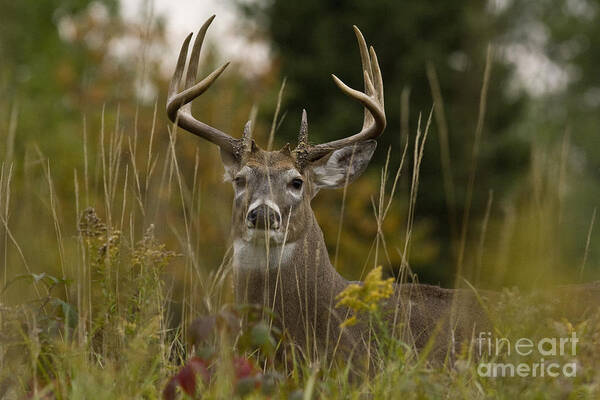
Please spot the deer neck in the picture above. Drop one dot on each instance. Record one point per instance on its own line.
(293, 279)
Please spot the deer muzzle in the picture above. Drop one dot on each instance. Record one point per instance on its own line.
(263, 217)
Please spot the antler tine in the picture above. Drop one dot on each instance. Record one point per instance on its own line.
(192, 70)
(247, 137)
(372, 99)
(178, 103)
(303, 134)
(366, 66)
(378, 80)
(365, 59)
(173, 85)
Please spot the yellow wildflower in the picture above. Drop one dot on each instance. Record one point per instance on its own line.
(365, 296)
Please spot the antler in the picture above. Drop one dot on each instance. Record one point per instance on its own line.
(372, 98)
(179, 108)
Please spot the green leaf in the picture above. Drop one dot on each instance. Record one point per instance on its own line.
(69, 312)
(260, 334)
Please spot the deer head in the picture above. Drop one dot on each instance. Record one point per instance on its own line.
(273, 189)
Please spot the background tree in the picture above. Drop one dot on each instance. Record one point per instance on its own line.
(558, 38)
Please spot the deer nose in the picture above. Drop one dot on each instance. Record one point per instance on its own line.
(263, 217)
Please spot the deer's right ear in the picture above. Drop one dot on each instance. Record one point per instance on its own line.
(231, 165)
(342, 166)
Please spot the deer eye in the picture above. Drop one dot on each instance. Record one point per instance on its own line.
(296, 183)
(239, 181)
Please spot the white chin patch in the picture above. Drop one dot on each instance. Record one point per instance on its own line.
(263, 235)
(253, 255)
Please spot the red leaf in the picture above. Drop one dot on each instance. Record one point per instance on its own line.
(243, 367)
(199, 366)
(187, 380)
(169, 392)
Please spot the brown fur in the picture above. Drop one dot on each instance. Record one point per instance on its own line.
(301, 288)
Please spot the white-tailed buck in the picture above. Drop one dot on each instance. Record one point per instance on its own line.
(279, 255)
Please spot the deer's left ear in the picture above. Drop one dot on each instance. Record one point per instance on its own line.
(341, 166)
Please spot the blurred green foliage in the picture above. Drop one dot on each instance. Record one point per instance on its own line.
(45, 77)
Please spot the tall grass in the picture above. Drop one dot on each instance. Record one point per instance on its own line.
(88, 295)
